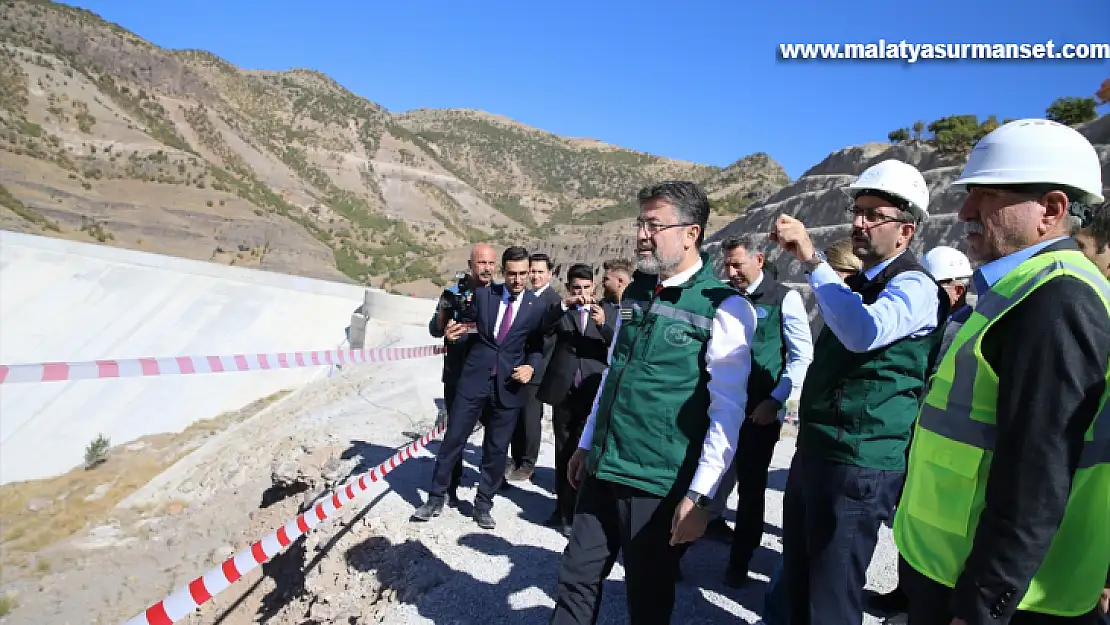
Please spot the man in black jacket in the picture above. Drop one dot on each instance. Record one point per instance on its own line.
(1003, 518)
(582, 338)
(527, 436)
(482, 264)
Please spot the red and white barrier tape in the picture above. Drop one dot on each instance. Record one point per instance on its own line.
(184, 365)
(190, 597)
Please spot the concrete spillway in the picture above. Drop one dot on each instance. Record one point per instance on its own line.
(67, 301)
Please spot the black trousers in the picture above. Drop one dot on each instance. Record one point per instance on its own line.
(831, 518)
(608, 519)
(754, 451)
(568, 418)
(528, 433)
(463, 417)
(929, 604)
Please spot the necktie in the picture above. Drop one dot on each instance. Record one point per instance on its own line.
(658, 287)
(506, 321)
(578, 373)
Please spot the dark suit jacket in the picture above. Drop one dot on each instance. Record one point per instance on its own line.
(550, 298)
(577, 346)
(522, 346)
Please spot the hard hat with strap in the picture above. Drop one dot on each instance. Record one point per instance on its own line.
(1037, 151)
(953, 446)
(901, 180)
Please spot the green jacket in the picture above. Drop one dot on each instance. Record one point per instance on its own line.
(859, 408)
(653, 413)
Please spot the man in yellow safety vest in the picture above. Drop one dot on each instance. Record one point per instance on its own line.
(1005, 516)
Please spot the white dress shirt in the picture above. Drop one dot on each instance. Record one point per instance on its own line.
(907, 307)
(799, 346)
(728, 362)
(501, 310)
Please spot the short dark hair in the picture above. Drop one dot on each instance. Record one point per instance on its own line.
(1099, 228)
(513, 252)
(689, 201)
(746, 241)
(622, 265)
(580, 271)
(540, 257)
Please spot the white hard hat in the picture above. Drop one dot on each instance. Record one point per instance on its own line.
(1035, 151)
(899, 179)
(946, 263)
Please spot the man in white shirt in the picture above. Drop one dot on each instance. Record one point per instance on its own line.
(664, 425)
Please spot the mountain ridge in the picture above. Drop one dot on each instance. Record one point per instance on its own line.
(118, 140)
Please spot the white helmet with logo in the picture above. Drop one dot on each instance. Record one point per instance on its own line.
(1035, 151)
(946, 263)
(899, 179)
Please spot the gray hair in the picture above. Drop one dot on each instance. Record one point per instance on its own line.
(747, 241)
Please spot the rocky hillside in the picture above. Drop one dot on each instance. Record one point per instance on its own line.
(816, 199)
(106, 137)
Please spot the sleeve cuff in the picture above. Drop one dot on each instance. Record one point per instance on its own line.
(822, 275)
(705, 481)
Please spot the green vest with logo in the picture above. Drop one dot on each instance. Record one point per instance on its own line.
(858, 408)
(653, 412)
(768, 343)
(950, 460)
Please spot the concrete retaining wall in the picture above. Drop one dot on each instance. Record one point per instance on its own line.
(68, 301)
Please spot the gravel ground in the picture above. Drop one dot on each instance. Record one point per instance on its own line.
(508, 575)
(370, 564)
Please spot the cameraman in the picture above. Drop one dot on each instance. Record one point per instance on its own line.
(454, 304)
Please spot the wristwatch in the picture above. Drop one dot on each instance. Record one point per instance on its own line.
(700, 500)
(814, 261)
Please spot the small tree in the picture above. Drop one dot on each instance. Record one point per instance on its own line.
(1103, 93)
(899, 135)
(918, 128)
(1072, 111)
(97, 451)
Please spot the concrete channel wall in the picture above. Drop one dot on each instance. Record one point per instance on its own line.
(67, 301)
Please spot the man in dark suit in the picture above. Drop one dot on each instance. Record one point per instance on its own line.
(583, 334)
(502, 356)
(525, 448)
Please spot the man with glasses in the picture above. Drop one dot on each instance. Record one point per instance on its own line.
(860, 395)
(663, 428)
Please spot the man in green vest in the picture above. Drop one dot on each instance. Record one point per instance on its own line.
(1005, 517)
(860, 395)
(782, 349)
(663, 427)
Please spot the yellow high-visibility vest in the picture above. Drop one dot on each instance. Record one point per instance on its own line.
(953, 444)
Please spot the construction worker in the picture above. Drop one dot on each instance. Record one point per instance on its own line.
(860, 395)
(1005, 518)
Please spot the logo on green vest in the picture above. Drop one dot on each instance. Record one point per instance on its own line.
(676, 336)
(761, 312)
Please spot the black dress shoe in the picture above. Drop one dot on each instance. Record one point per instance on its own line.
(889, 604)
(453, 498)
(484, 519)
(428, 511)
(565, 530)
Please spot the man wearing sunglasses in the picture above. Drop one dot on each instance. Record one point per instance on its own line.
(861, 393)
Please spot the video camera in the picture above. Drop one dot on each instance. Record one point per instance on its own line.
(458, 305)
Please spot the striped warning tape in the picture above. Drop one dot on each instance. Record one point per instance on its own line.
(191, 596)
(184, 365)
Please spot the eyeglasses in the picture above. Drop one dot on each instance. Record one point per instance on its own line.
(654, 228)
(872, 216)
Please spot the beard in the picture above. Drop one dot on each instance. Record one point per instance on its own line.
(656, 264)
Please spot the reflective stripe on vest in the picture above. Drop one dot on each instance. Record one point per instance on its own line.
(955, 422)
(950, 462)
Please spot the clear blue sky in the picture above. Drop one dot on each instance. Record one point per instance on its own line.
(700, 83)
